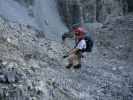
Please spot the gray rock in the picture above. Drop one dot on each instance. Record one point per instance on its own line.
(2, 79)
(10, 76)
(78, 11)
(35, 68)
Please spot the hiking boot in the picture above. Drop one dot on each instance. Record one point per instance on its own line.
(77, 66)
(69, 66)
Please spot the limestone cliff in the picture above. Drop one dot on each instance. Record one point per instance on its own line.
(78, 11)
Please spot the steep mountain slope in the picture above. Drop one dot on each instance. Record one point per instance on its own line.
(48, 19)
(32, 68)
(115, 38)
(41, 14)
(13, 11)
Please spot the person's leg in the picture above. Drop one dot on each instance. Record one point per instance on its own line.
(77, 63)
(74, 60)
(70, 61)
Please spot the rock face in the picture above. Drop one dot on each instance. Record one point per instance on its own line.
(22, 76)
(41, 14)
(116, 36)
(78, 11)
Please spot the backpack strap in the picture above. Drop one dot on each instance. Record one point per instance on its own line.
(77, 43)
(83, 50)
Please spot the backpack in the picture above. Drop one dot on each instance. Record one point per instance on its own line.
(89, 44)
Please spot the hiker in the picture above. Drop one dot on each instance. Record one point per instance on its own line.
(75, 54)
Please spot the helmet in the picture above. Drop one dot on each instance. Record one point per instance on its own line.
(79, 31)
